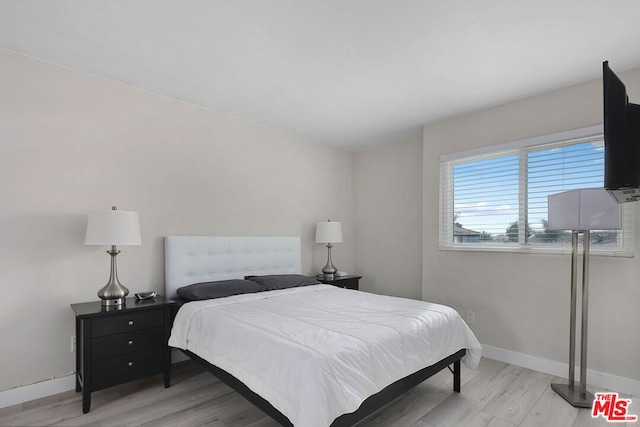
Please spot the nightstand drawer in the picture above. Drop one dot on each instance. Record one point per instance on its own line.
(126, 365)
(121, 323)
(129, 342)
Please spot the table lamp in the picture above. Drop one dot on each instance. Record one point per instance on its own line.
(329, 232)
(112, 228)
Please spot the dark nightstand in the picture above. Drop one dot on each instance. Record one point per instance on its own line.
(118, 345)
(349, 281)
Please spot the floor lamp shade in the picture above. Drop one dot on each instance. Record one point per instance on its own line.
(584, 209)
(329, 232)
(112, 228)
(581, 211)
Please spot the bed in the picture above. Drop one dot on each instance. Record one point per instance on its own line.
(313, 355)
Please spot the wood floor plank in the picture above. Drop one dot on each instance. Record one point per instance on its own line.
(497, 422)
(240, 413)
(485, 386)
(514, 403)
(212, 423)
(203, 411)
(551, 410)
(455, 410)
(482, 419)
(265, 421)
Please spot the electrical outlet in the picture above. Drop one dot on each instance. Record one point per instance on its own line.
(73, 343)
(471, 317)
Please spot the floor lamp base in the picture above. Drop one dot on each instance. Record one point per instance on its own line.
(573, 395)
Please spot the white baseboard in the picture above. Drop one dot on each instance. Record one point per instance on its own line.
(594, 378)
(46, 388)
(25, 393)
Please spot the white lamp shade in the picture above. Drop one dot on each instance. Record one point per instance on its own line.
(113, 227)
(584, 209)
(329, 232)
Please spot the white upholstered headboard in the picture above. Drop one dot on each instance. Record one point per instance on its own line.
(195, 259)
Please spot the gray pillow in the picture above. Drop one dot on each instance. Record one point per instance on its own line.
(218, 289)
(282, 281)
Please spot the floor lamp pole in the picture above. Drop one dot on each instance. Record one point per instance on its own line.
(574, 314)
(586, 237)
(580, 398)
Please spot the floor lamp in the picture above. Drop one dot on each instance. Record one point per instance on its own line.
(581, 211)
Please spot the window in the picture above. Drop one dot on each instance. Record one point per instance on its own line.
(487, 194)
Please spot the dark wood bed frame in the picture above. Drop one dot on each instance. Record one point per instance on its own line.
(368, 407)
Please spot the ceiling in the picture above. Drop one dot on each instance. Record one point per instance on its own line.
(350, 73)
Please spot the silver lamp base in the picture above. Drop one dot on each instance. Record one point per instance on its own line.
(113, 293)
(113, 302)
(574, 396)
(329, 270)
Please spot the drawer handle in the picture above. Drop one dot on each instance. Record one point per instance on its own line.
(130, 322)
(130, 363)
(130, 342)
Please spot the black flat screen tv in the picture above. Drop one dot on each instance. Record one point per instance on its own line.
(621, 140)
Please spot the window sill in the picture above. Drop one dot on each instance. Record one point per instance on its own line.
(524, 249)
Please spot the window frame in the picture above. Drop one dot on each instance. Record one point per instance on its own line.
(521, 147)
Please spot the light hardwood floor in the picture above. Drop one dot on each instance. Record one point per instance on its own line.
(495, 395)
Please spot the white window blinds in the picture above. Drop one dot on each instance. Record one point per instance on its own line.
(497, 199)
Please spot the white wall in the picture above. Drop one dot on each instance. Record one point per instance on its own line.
(387, 184)
(521, 301)
(70, 143)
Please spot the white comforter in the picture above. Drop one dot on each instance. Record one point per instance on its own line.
(317, 352)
